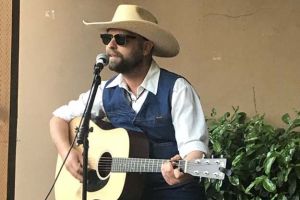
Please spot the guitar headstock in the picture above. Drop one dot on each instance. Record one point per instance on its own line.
(209, 168)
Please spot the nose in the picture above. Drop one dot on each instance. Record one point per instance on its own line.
(112, 44)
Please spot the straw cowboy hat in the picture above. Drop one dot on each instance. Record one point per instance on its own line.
(138, 20)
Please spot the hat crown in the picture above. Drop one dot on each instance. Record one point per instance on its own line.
(134, 13)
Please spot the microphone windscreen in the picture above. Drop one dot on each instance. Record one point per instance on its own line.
(102, 58)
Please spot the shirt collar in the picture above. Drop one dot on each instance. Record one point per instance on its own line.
(150, 82)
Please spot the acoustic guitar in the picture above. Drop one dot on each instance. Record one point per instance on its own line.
(115, 157)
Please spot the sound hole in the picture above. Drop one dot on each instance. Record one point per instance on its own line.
(93, 182)
(104, 166)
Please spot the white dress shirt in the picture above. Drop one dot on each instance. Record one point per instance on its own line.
(188, 118)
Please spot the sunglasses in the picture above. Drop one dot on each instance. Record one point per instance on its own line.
(121, 39)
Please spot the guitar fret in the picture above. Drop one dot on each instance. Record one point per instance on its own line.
(182, 164)
(133, 166)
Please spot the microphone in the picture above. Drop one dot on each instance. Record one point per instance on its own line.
(101, 60)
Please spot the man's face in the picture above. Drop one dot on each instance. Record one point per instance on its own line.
(125, 50)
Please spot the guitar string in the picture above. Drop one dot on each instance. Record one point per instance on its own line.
(109, 159)
(136, 168)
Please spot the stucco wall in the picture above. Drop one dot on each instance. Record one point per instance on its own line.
(235, 53)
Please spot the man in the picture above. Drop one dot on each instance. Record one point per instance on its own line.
(145, 98)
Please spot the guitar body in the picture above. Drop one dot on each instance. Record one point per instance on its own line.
(104, 185)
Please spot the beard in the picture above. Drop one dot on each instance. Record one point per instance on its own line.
(123, 65)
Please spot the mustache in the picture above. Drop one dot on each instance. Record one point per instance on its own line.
(113, 53)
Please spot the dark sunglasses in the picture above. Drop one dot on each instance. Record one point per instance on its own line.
(121, 39)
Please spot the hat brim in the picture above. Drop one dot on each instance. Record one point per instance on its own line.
(165, 44)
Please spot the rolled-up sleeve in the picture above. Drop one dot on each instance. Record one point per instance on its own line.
(75, 108)
(188, 119)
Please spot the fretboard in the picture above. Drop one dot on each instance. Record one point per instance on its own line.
(139, 165)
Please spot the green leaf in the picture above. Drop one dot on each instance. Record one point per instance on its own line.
(282, 197)
(297, 170)
(234, 180)
(257, 181)
(216, 131)
(296, 123)
(242, 117)
(247, 191)
(280, 177)
(274, 197)
(292, 185)
(238, 158)
(269, 185)
(251, 148)
(286, 118)
(287, 172)
(251, 138)
(268, 163)
(218, 185)
(217, 147)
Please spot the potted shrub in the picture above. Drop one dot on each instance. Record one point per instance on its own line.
(264, 160)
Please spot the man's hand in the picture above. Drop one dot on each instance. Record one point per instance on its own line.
(74, 164)
(59, 130)
(173, 176)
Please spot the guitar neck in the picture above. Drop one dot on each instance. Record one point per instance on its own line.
(208, 168)
(139, 164)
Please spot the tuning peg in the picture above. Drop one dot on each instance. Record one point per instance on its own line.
(228, 172)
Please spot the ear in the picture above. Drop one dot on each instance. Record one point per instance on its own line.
(148, 46)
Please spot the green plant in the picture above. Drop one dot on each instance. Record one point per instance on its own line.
(265, 161)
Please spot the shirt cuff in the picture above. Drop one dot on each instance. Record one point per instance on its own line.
(64, 113)
(192, 146)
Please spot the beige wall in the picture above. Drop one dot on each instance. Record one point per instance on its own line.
(229, 49)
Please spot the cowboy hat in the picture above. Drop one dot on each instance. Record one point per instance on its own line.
(138, 20)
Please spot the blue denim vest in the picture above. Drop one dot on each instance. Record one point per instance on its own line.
(154, 118)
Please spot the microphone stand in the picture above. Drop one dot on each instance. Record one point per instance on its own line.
(84, 129)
